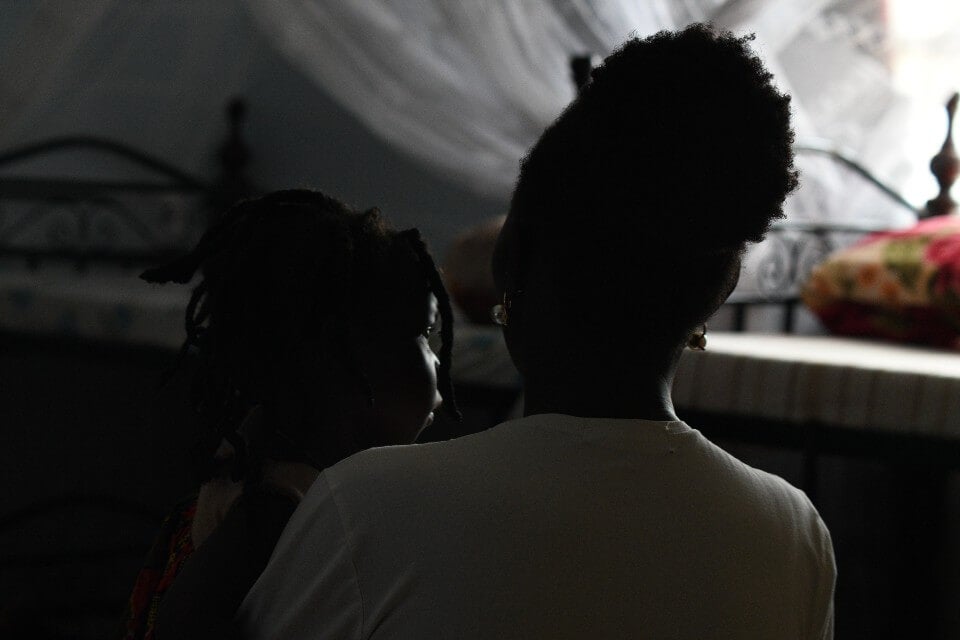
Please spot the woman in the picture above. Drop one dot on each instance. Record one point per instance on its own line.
(599, 514)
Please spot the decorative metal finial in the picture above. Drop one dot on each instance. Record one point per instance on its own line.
(945, 166)
(232, 184)
(580, 68)
(234, 153)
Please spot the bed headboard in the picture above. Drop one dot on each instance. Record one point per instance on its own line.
(138, 210)
(793, 248)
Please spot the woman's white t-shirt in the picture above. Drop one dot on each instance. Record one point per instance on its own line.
(550, 526)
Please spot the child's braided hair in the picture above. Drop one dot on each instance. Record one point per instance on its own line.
(284, 277)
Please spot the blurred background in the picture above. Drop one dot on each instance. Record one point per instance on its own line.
(126, 127)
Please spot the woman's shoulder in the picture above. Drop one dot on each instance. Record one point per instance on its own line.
(403, 458)
(425, 469)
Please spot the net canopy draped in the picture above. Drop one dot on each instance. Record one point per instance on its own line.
(465, 88)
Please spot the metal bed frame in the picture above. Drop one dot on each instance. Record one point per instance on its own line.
(100, 208)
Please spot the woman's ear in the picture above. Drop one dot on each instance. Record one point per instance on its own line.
(505, 262)
(733, 276)
(723, 273)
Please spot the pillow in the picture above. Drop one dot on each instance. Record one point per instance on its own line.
(466, 270)
(900, 285)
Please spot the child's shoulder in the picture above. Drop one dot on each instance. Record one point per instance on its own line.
(423, 469)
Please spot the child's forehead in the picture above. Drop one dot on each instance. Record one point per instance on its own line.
(401, 276)
(398, 316)
(401, 291)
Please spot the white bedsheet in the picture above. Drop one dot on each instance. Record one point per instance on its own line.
(102, 304)
(838, 381)
(114, 306)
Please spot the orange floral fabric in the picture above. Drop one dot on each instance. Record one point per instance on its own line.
(172, 547)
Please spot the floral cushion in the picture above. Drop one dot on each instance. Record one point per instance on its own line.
(900, 285)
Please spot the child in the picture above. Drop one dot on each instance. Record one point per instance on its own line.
(310, 327)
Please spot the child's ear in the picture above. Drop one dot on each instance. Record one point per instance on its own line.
(253, 428)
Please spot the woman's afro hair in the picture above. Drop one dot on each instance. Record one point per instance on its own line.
(679, 140)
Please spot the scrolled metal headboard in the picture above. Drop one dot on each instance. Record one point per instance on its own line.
(80, 219)
(793, 248)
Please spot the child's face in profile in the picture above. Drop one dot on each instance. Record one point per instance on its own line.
(401, 368)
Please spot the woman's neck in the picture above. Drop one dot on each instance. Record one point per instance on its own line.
(635, 397)
(613, 389)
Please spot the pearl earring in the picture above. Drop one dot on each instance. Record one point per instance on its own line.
(499, 311)
(698, 341)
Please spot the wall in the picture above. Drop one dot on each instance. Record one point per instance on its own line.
(157, 76)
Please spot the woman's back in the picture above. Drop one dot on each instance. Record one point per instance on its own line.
(550, 526)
